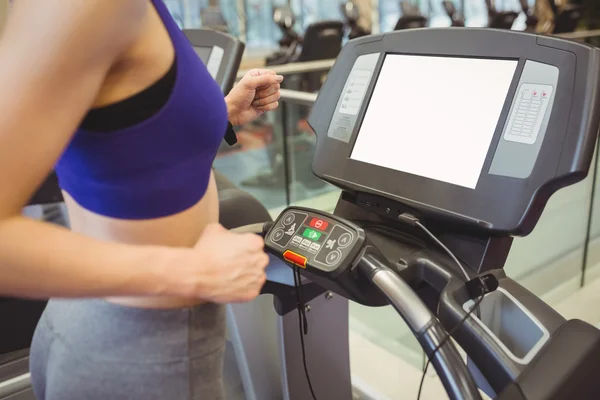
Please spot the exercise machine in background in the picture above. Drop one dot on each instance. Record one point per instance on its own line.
(290, 41)
(411, 17)
(458, 20)
(500, 19)
(212, 18)
(532, 19)
(351, 14)
(566, 18)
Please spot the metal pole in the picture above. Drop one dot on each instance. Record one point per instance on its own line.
(286, 156)
(242, 22)
(375, 17)
(187, 18)
(588, 234)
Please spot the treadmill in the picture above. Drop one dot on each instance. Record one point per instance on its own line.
(432, 197)
(222, 54)
(500, 19)
(411, 17)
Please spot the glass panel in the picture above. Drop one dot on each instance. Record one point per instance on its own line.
(592, 267)
(301, 141)
(255, 163)
(177, 10)
(549, 261)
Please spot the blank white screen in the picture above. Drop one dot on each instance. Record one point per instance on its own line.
(434, 116)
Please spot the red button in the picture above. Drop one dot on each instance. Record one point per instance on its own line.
(319, 224)
(295, 258)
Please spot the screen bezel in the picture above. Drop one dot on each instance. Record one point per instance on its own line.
(499, 204)
(518, 69)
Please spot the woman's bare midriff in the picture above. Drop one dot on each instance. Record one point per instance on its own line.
(180, 230)
(149, 58)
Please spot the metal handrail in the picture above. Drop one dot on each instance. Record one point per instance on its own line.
(325, 65)
(580, 34)
(297, 68)
(297, 97)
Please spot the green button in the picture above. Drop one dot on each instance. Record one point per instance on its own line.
(312, 235)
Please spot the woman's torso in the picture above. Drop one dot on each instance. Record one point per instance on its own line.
(149, 58)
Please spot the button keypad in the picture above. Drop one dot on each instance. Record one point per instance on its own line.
(287, 228)
(334, 248)
(528, 113)
(321, 241)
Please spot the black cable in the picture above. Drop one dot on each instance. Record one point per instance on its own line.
(415, 222)
(303, 323)
(443, 342)
(443, 246)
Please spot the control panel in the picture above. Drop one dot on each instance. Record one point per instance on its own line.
(345, 118)
(527, 116)
(308, 238)
(527, 123)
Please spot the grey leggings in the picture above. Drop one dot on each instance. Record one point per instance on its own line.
(92, 350)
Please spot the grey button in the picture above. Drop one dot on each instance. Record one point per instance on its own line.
(333, 257)
(305, 244)
(288, 219)
(344, 240)
(278, 235)
(314, 248)
(296, 240)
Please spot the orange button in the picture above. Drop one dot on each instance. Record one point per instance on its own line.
(295, 258)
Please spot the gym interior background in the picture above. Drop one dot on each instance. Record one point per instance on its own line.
(559, 261)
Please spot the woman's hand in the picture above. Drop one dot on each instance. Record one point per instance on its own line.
(223, 267)
(256, 93)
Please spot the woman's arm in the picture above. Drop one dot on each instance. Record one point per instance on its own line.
(55, 55)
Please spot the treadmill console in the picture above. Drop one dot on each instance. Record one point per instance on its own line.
(476, 128)
(327, 248)
(306, 239)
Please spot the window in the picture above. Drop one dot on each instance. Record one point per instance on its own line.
(187, 13)
(262, 32)
(310, 11)
(436, 13)
(230, 13)
(476, 14)
(389, 12)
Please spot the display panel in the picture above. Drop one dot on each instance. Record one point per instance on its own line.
(203, 53)
(434, 117)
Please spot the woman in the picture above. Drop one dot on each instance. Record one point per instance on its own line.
(145, 248)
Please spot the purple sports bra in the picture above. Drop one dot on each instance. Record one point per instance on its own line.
(160, 165)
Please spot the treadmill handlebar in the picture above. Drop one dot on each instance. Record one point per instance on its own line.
(260, 229)
(410, 307)
(444, 356)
